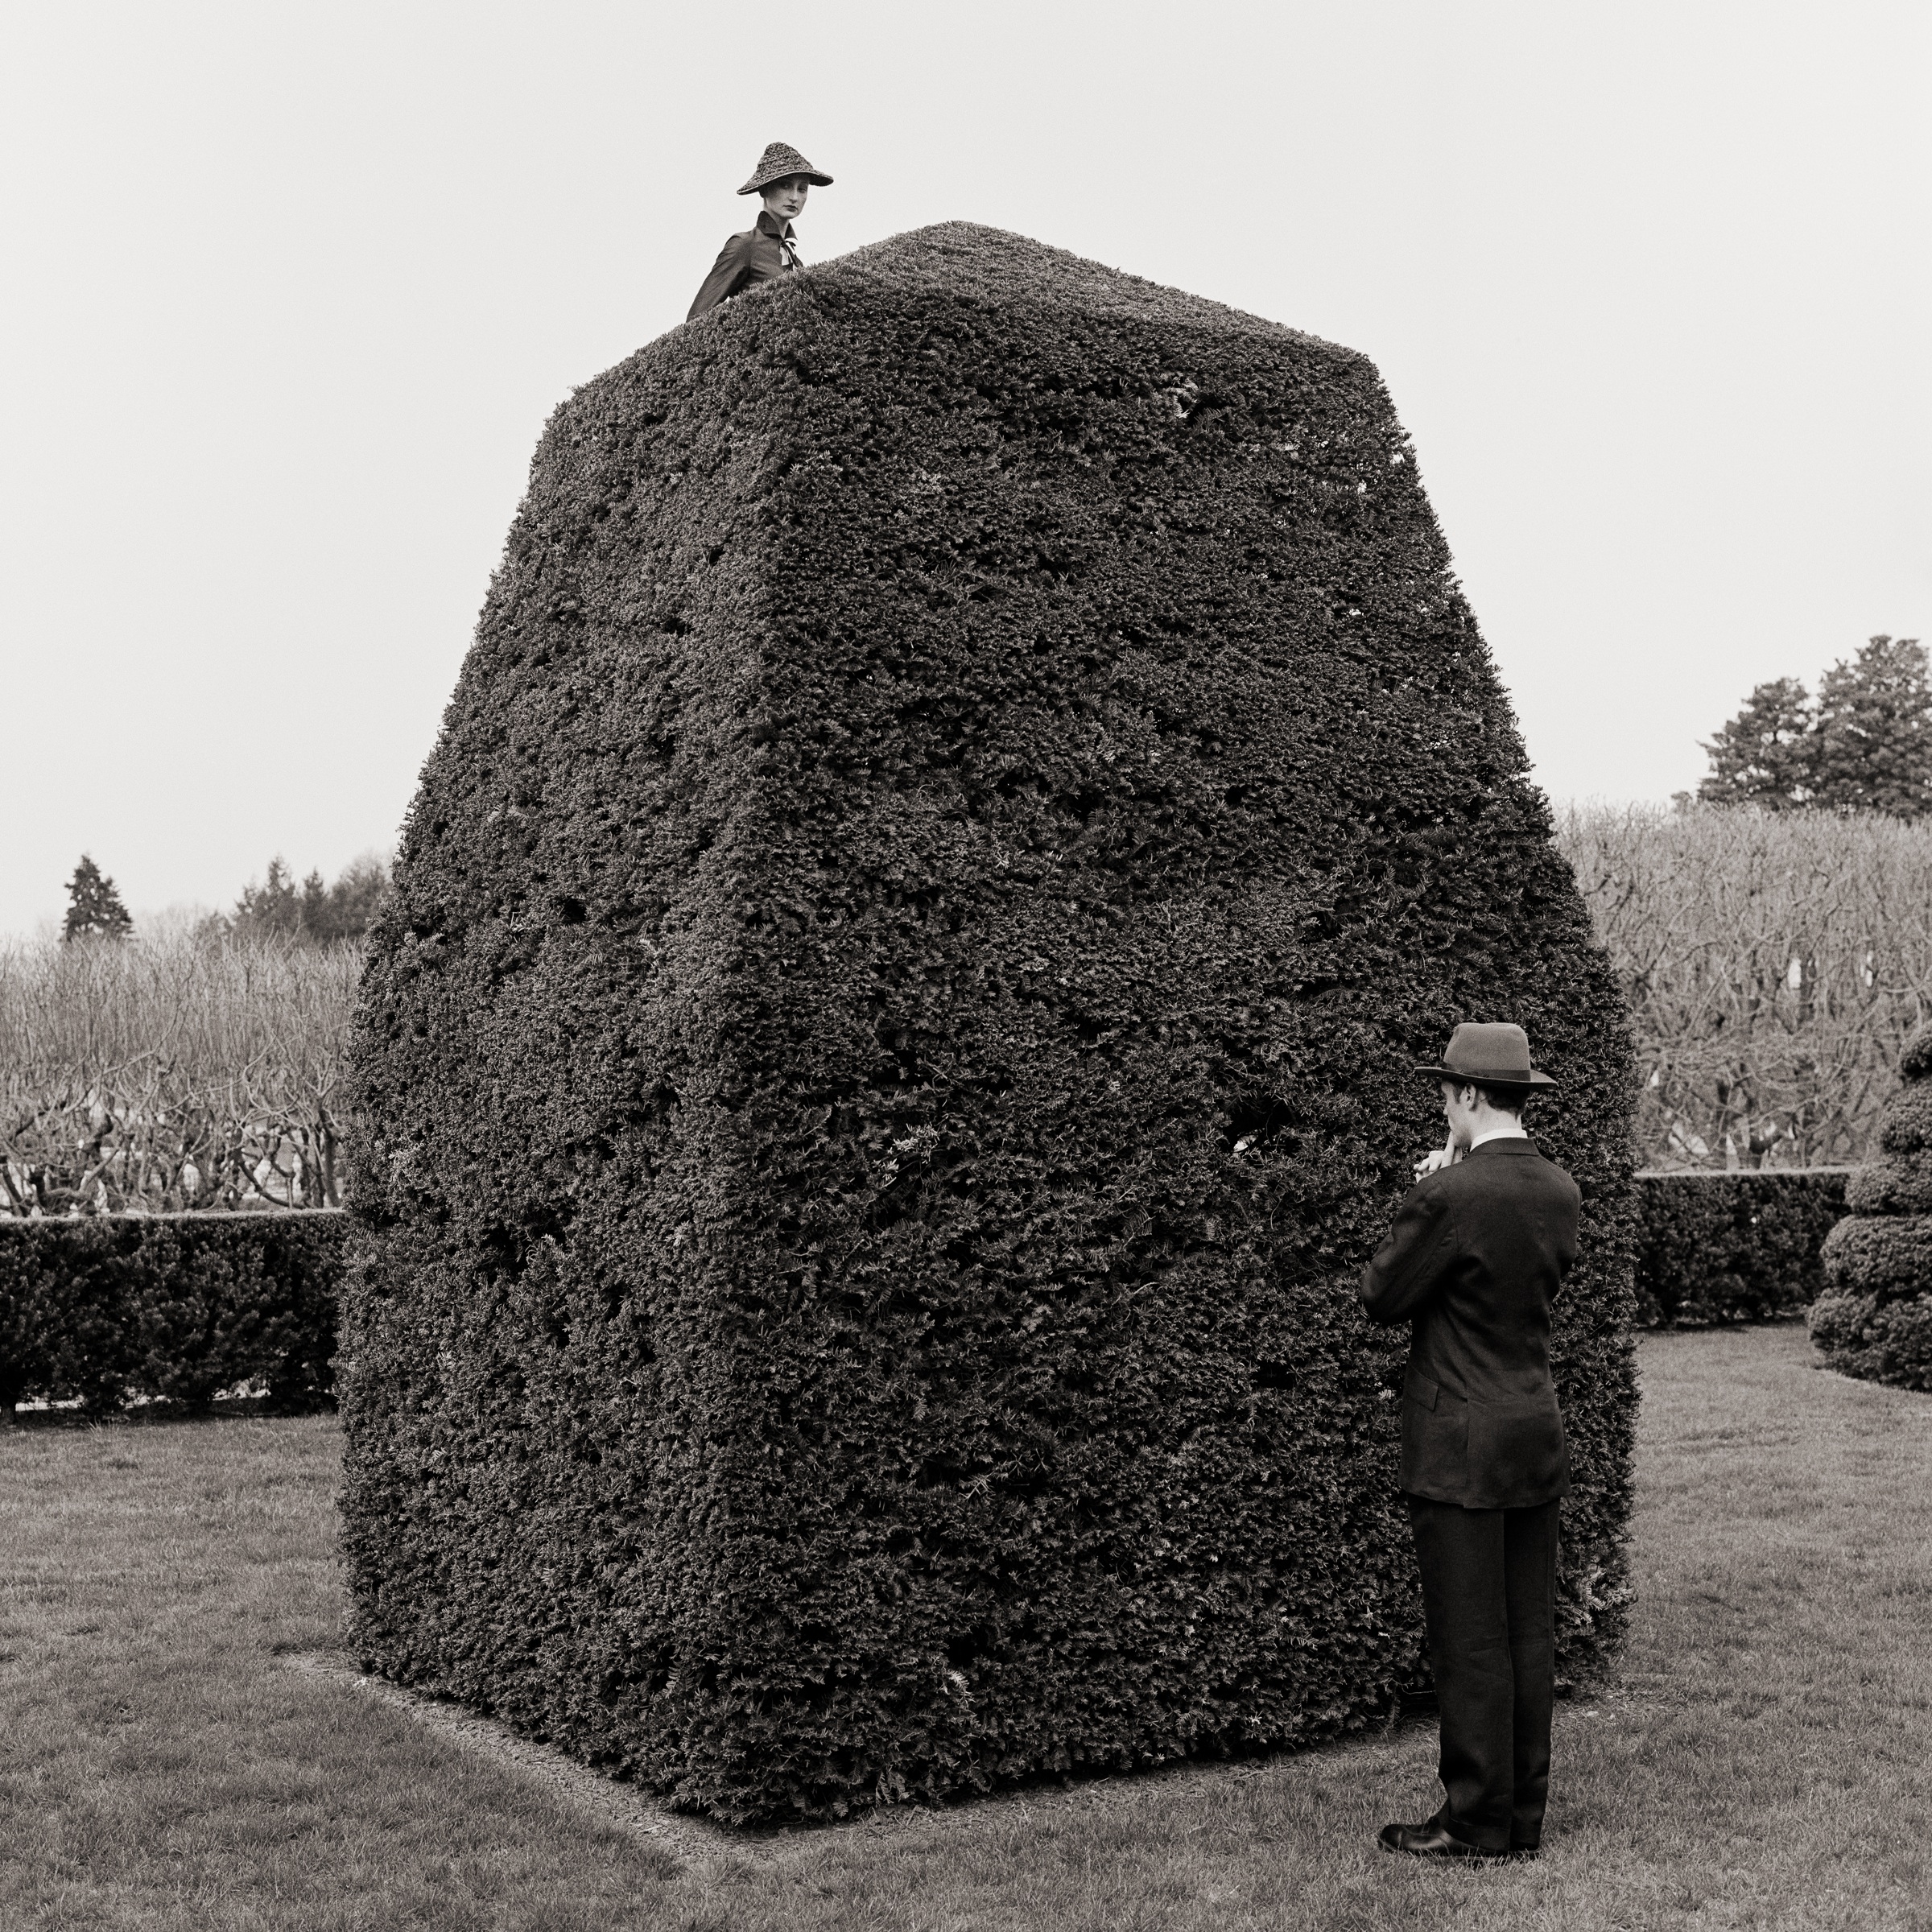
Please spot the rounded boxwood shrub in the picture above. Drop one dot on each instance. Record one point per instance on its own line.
(1875, 1319)
(1891, 1183)
(893, 1042)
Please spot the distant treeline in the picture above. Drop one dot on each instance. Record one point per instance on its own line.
(311, 914)
(194, 1068)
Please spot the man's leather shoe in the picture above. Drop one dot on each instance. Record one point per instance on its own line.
(1431, 1839)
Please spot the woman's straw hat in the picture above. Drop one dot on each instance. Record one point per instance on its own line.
(777, 163)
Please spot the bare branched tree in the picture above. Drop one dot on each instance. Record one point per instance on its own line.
(192, 1071)
(1775, 964)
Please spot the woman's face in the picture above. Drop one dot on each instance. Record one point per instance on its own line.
(785, 199)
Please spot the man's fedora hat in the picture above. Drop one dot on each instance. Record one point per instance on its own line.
(1493, 1054)
(779, 163)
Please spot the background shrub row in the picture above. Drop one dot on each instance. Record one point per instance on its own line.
(178, 1306)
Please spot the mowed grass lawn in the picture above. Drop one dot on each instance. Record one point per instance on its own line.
(1763, 1760)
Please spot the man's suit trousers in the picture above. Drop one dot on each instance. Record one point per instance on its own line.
(1489, 1595)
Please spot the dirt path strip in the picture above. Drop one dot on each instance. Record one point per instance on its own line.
(625, 1806)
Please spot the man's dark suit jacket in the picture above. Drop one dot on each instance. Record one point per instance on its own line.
(763, 253)
(1477, 1254)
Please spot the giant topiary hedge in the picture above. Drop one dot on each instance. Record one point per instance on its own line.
(892, 1043)
(1875, 1318)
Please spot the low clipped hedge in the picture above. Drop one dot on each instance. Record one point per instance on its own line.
(1741, 1246)
(171, 1306)
(894, 1037)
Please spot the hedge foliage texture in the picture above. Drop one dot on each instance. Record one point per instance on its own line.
(1739, 1246)
(1875, 1319)
(177, 1306)
(974, 784)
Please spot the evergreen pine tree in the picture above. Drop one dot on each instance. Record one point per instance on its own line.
(1764, 756)
(1872, 738)
(93, 905)
(353, 900)
(312, 914)
(1864, 744)
(274, 907)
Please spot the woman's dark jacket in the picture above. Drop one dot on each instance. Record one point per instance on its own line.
(760, 255)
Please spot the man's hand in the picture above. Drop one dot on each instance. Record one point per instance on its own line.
(1444, 1156)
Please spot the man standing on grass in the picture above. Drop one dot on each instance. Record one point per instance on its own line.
(1477, 1254)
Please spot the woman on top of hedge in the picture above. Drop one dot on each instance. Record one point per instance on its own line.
(764, 252)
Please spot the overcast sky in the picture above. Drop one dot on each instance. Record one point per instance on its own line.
(291, 287)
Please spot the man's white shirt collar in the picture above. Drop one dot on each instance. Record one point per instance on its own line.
(1498, 1133)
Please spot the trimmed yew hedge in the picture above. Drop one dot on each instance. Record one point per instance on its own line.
(177, 1306)
(1875, 1319)
(892, 1041)
(1734, 1246)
